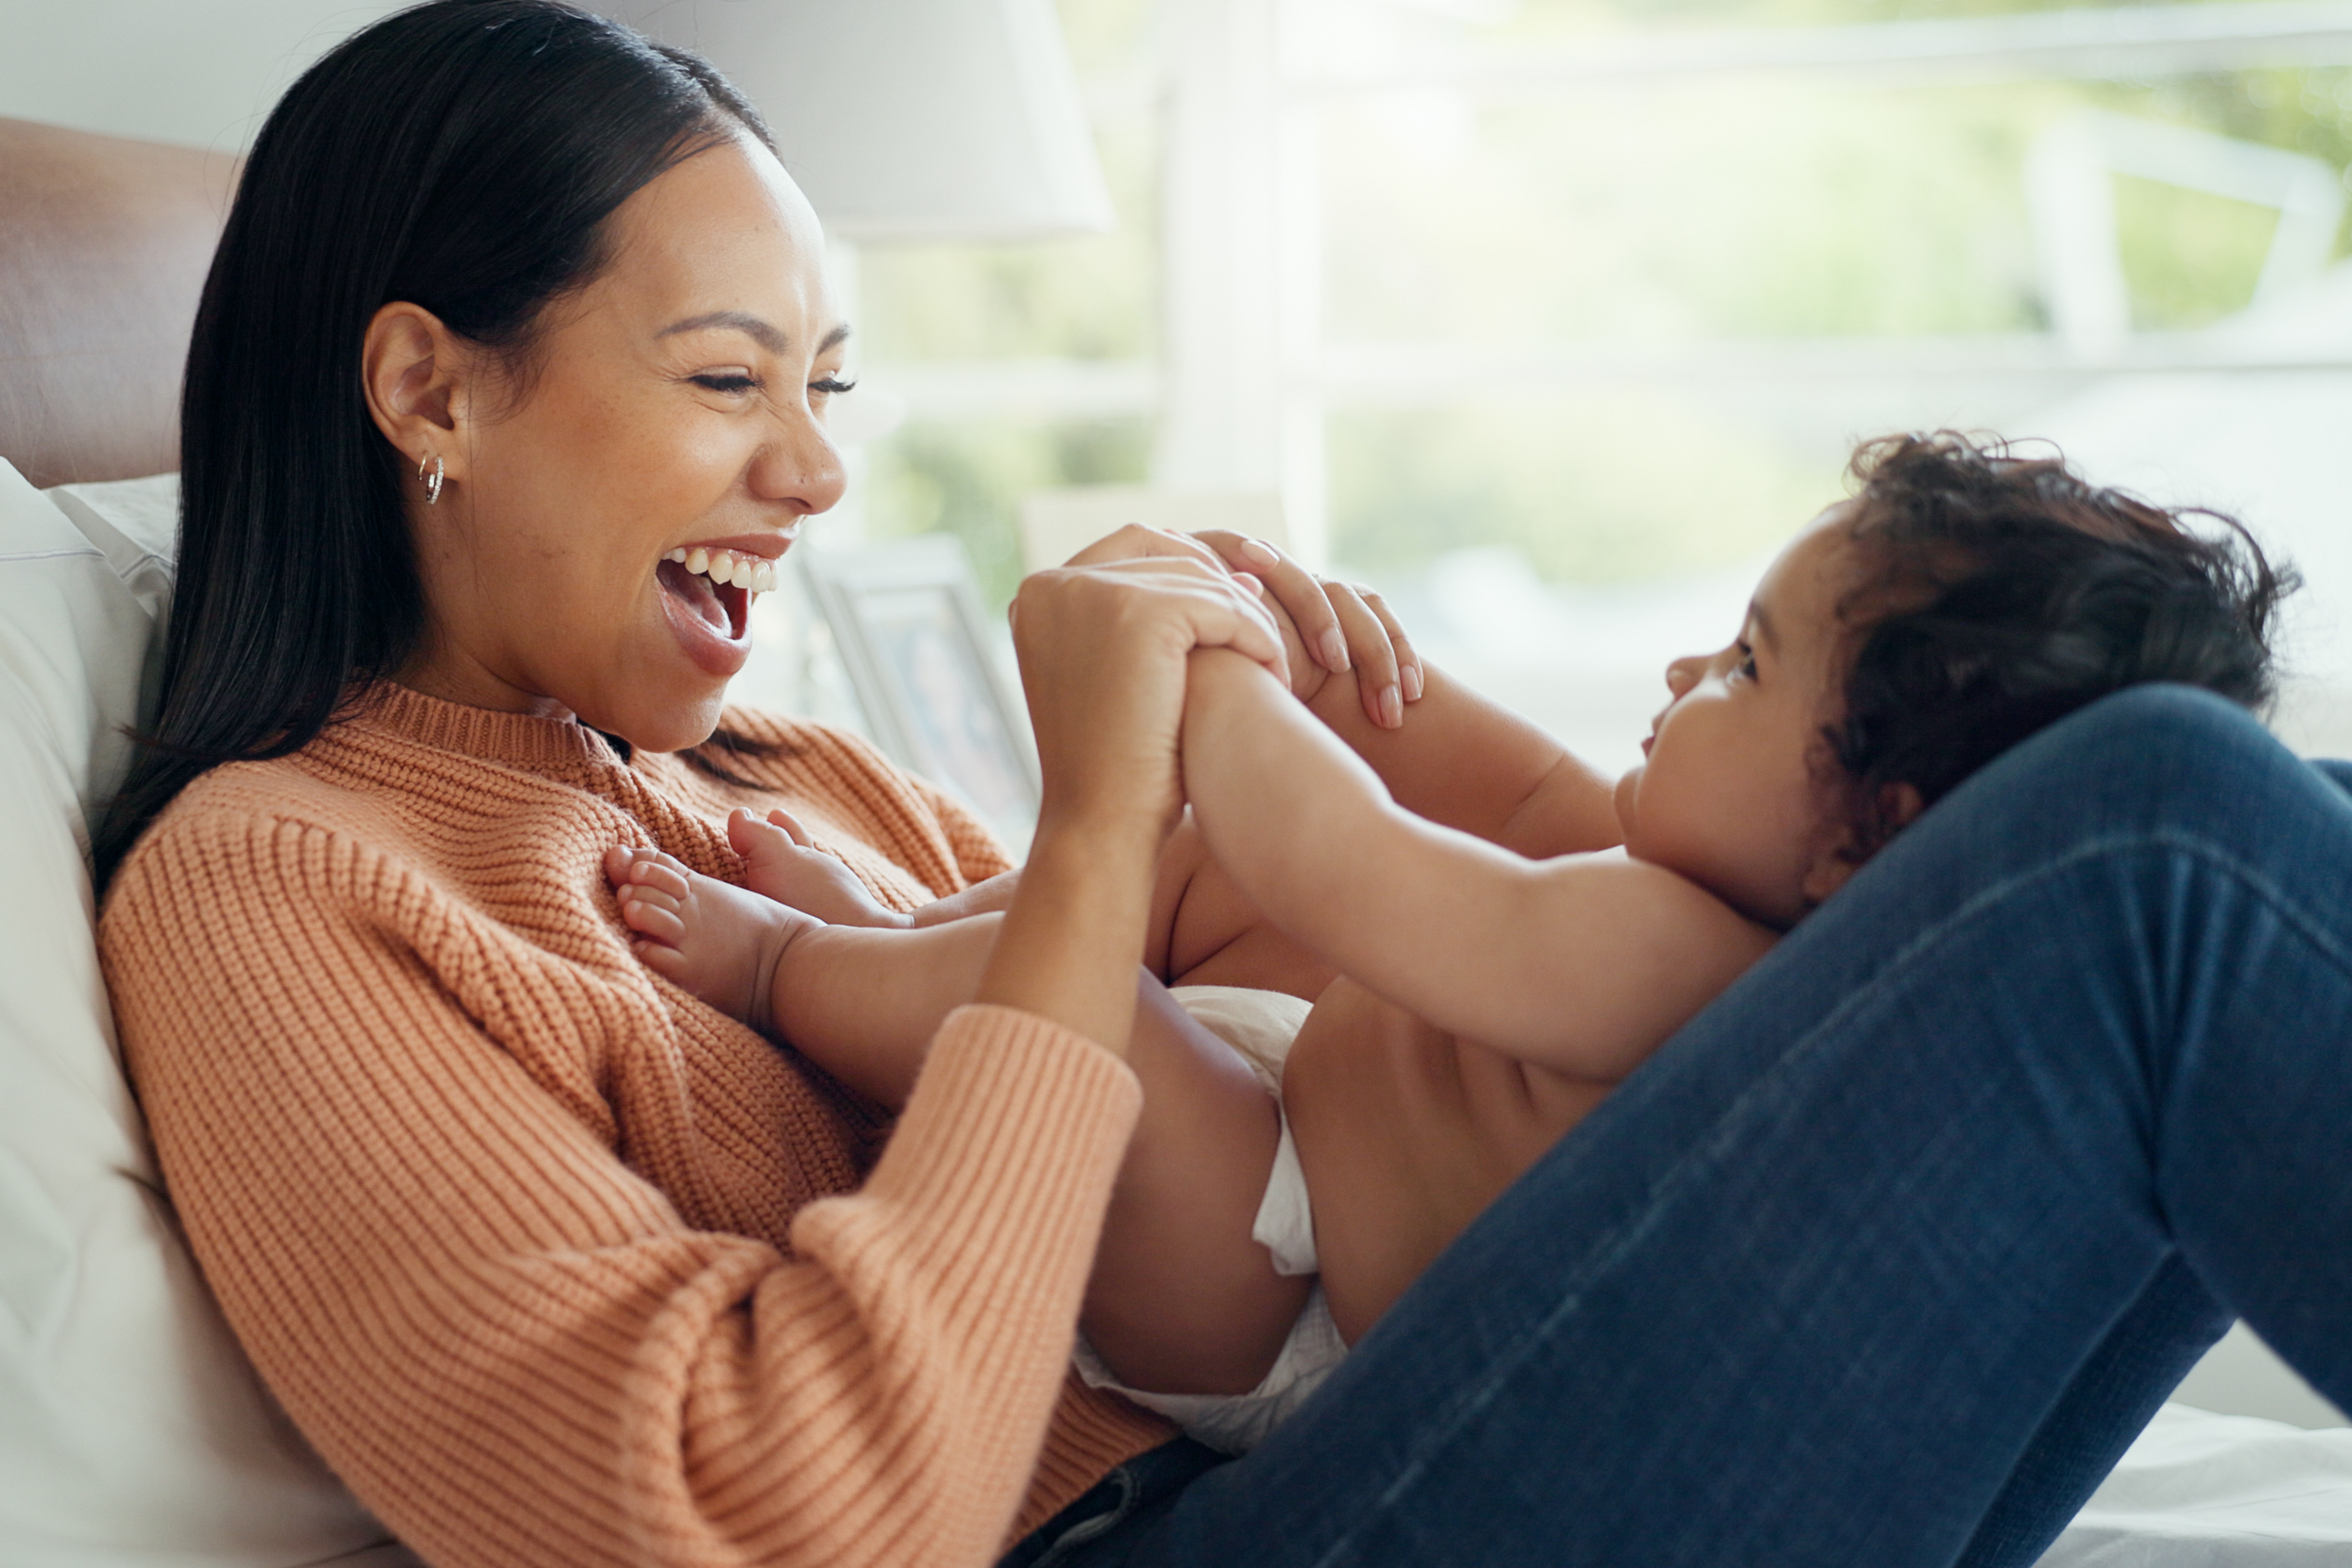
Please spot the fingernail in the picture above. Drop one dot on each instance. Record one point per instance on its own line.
(1412, 679)
(1392, 708)
(1335, 649)
(1259, 551)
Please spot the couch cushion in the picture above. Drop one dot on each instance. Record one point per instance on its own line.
(132, 1433)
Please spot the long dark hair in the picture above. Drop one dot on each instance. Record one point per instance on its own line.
(1999, 593)
(463, 155)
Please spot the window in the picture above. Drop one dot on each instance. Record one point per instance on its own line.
(1551, 317)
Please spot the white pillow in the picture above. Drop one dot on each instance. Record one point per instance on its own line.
(132, 1432)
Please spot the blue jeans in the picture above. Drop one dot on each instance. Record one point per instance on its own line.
(1885, 1256)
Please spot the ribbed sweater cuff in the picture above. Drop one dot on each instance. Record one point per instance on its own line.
(1012, 1136)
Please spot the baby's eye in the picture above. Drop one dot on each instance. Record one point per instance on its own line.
(732, 384)
(1746, 665)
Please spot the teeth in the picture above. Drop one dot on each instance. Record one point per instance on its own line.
(749, 572)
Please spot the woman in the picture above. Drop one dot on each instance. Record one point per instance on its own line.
(528, 1244)
(1882, 1258)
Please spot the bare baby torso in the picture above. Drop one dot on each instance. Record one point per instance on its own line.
(1406, 1133)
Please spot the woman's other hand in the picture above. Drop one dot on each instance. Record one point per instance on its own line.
(1328, 628)
(1103, 645)
(1105, 654)
(1341, 626)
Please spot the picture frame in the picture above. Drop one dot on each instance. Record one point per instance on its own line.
(907, 623)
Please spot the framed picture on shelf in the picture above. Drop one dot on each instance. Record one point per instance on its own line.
(908, 626)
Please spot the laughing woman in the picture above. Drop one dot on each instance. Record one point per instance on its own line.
(506, 392)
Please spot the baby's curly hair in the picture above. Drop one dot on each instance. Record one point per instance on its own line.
(2001, 592)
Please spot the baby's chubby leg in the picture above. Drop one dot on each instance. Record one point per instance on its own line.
(861, 1003)
(1182, 1299)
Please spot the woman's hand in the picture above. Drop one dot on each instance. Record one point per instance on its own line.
(1104, 653)
(1341, 626)
(1328, 628)
(1102, 647)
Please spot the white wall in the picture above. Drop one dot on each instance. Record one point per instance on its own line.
(200, 73)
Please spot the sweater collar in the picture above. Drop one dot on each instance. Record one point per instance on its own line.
(516, 740)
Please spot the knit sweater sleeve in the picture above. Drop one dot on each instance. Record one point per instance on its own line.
(509, 1343)
(979, 853)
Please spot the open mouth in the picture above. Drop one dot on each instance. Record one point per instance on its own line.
(715, 586)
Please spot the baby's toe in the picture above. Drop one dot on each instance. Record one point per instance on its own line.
(618, 860)
(661, 874)
(649, 917)
(659, 957)
(755, 840)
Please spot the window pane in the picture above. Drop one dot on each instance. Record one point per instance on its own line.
(1769, 208)
(968, 476)
(1553, 18)
(1610, 485)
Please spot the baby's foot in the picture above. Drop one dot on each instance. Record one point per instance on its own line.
(781, 863)
(716, 941)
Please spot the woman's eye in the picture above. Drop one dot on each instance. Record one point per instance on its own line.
(730, 383)
(832, 387)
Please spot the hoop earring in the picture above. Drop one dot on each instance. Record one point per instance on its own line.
(432, 481)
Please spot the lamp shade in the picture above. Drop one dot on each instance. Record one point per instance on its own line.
(908, 120)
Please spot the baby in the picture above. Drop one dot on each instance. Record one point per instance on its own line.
(1503, 978)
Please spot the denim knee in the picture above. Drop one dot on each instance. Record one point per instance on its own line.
(2144, 757)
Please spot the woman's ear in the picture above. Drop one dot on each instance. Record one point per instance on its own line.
(417, 387)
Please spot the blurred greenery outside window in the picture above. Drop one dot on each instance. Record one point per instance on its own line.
(1687, 212)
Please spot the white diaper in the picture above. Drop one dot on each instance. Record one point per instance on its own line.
(1260, 1025)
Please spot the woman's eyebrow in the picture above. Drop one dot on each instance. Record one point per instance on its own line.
(753, 327)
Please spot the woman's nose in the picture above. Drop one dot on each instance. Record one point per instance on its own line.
(799, 465)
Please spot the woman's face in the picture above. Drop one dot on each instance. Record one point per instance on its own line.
(1729, 795)
(675, 408)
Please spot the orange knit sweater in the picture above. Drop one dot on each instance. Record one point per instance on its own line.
(554, 1264)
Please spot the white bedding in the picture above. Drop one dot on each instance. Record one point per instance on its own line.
(2200, 1491)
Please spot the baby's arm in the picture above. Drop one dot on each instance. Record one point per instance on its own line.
(861, 1003)
(1469, 762)
(1582, 963)
(1459, 759)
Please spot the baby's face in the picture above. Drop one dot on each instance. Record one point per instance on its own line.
(1729, 795)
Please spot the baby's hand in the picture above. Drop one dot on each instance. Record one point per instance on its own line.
(720, 941)
(780, 863)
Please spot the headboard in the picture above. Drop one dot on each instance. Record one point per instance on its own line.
(103, 248)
